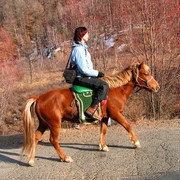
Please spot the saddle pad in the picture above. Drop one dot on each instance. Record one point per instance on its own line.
(84, 100)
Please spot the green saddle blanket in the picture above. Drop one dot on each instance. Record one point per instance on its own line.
(83, 98)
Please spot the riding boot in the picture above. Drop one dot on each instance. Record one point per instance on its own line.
(93, 113)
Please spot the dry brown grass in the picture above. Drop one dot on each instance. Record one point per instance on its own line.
(42, 81)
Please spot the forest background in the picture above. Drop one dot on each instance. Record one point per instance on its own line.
(36, 38)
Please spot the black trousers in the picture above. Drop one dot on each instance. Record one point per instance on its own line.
(100, 88)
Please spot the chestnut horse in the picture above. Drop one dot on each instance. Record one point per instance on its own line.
(55, 105)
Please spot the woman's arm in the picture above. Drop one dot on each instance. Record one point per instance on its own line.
(84, 65)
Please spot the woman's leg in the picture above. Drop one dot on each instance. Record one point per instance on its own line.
(100, 91)
(100, 88)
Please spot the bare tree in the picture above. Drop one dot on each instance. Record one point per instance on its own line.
(152, 35)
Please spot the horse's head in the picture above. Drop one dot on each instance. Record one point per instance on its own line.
(144, 79)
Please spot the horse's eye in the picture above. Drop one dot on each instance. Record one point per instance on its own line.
(146, 74)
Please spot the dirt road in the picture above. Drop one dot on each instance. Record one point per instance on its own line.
(159, 157)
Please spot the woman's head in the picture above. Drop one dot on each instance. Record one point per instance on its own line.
(79, 34)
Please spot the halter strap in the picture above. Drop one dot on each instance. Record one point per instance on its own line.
(146, 82)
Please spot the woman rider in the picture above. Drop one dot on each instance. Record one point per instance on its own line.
(86, 75)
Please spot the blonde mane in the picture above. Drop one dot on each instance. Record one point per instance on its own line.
(123, 77)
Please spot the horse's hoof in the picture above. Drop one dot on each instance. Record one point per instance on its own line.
(105, 148)
(68, 159)
(31, 163)
(137, 144)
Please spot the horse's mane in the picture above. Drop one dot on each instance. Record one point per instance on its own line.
(122, 78)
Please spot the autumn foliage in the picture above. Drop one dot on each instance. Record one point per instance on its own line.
(147, 29)
(8, 49)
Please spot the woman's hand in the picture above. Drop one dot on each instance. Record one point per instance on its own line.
(100, 74)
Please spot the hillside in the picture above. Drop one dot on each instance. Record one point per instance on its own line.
(36, 38)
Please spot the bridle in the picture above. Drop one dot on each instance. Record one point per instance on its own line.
(137, 84)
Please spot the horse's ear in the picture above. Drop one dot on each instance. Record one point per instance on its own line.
(136, 62)
(141, 65)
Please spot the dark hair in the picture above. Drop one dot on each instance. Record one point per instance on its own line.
(79, 33)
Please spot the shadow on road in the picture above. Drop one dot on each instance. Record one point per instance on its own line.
(11, 142)
(83, 147)
(16, 141)
(4, 157)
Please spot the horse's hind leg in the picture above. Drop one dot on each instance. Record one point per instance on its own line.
(54, 137)
(39, 132)
(102, 145)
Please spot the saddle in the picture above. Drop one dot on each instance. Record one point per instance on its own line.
(83, 98)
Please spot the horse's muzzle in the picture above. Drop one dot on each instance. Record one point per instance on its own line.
(155, 90)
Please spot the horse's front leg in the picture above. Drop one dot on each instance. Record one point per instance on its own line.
(102, 145)
(120, 118)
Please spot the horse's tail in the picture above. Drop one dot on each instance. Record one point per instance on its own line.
(28, 123)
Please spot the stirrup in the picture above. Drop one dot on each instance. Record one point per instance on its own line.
(93, 113)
